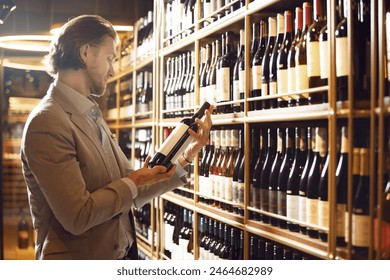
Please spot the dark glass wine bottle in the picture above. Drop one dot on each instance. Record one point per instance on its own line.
(285, 170)
(342, 188)
(241, 73)
(254, 156)
(257, 73)
(266, 171)
(265, 66)
(313, 180)
(310, 141)
(341, 35)
(274, 175)
(204, 73)
(225, 74)
(292, 192)
(355, 183)
(254, 47)
(313, 52)
(282, 61)
(210, 79)
(178, 140)
(323, 201)
(239, 161)
(302, 80)
(291, 71)
(273, 63)
(256, 178)
(361, 209)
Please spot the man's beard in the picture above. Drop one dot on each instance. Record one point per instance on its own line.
(98, 91)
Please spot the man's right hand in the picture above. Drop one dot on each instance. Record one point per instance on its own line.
(147, 176)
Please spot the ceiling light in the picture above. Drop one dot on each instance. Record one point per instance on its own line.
(6, 8)
(32, 43)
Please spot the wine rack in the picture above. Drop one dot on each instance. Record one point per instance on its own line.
(331, 115)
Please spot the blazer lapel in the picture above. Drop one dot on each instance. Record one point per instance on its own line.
(78, 119)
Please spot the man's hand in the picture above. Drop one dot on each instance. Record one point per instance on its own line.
(147, 176)
(201, 137)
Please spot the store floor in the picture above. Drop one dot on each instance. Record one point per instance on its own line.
(11, 250)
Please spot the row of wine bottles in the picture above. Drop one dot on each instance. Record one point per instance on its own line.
(179, 84)
(216, 240)
(282, 60)
(180, 16)
(143, 221)
(143, 97)
(142, 145)
(145, 40)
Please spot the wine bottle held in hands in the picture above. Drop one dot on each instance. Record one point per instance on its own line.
(178, 140)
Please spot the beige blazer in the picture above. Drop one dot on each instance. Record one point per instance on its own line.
(75, 206)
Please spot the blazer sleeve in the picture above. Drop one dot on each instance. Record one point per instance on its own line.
(50, 151)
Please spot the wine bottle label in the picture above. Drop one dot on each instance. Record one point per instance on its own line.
(346, 232)
(216, 185)
(212, 96)
(323, 213)
(264, 202)
(341, 56)
(264, 89)
(142, 107)
(224, 84)
(229, 188)
(23, 234)
(281, 203)
(324, 59)
(202, 93)
(256, 198)
(302, 80)
(236, 90)
(291, 77)
(302, 208)
(360, 230)
(292, 204)
(273, 88)
(235, 191)
(313, 59)
(241, 78)
(221, 186)
(340, 219)
(240, 192)
(207, 9)
(212, 185)
(257, 74)
(173, 138)
(283, 82)
(312, 211)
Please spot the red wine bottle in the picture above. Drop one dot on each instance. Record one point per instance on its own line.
(302, 80)
(265, 66)
(282, 63)
(285, 170)
(178, 140)
(292, 192)
(291, 72)
(313, 53)
(313, 180)
(257, 73)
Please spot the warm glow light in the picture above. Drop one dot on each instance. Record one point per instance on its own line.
(118, 28)
(24, 63)
(32, 43)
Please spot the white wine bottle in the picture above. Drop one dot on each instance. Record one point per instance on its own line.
(178, 140)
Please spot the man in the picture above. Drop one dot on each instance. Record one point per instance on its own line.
(81, 186)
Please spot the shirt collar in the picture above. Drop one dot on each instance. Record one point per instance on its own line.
(82, 103)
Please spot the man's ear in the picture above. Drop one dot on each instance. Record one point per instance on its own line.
(84, 52)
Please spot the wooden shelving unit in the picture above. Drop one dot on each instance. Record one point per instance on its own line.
(329, 114)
